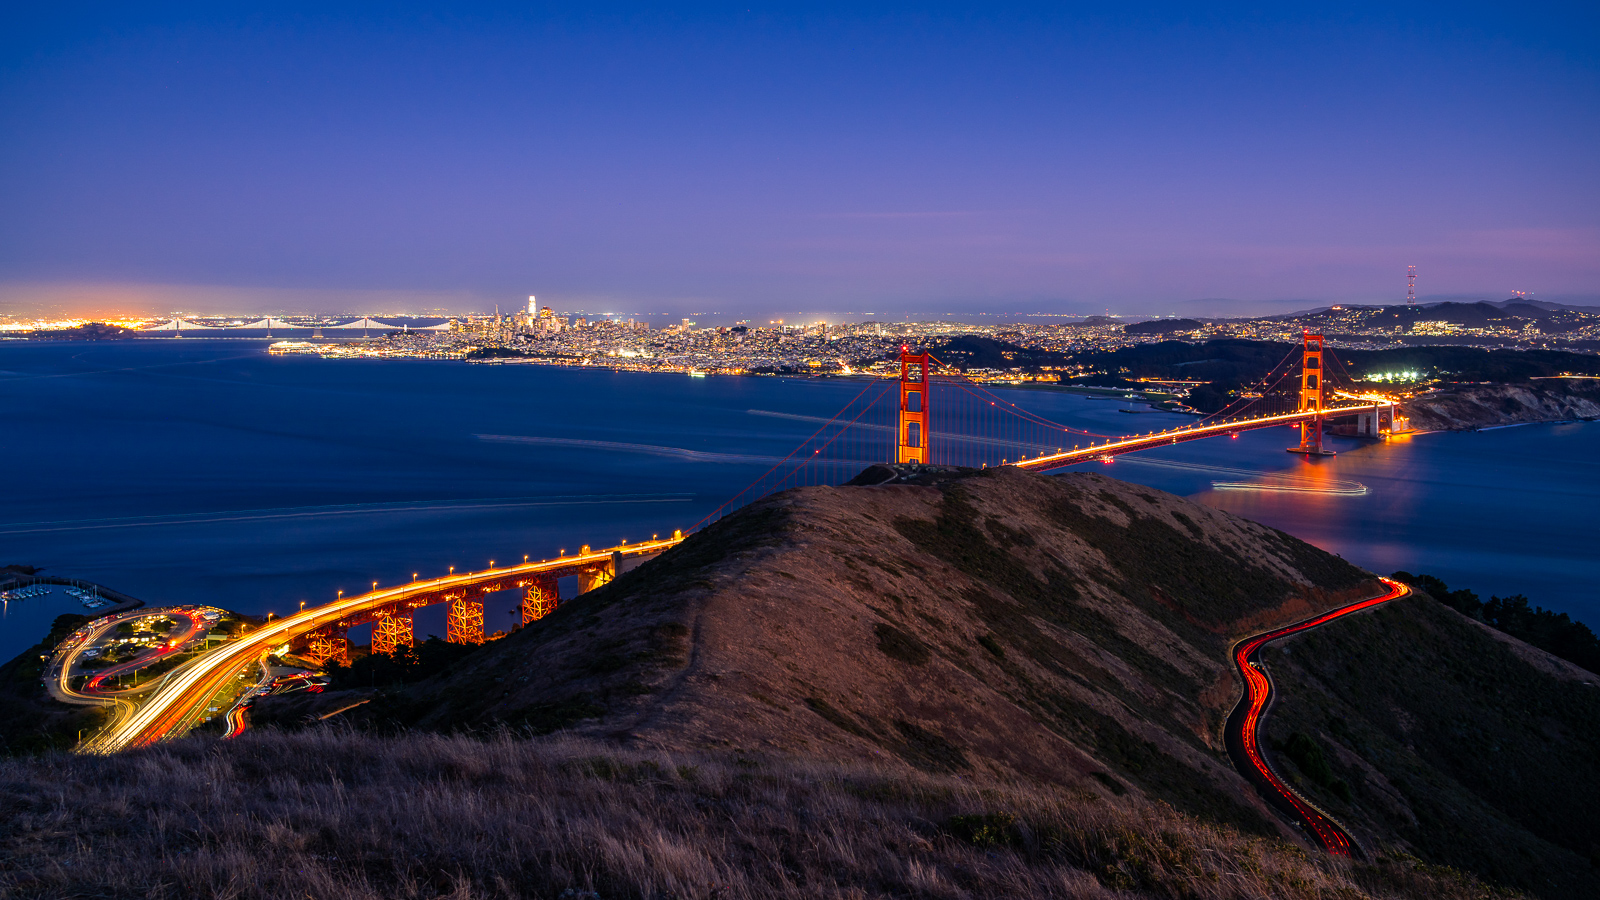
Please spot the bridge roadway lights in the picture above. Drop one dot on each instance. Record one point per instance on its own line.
(464, 618)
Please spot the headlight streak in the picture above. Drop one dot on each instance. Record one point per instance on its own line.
(1243, 729)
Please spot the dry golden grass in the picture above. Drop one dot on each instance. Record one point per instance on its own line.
(332, 814)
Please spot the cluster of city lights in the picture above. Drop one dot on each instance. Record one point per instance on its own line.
(21, 325)
(1394, 376)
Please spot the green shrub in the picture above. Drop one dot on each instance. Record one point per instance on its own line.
(984, 829)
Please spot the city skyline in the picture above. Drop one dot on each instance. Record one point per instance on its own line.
(58, 311)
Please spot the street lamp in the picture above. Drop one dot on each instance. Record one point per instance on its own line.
(302, 605)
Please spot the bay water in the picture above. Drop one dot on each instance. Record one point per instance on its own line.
(206, 471)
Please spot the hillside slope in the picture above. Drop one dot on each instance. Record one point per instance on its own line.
(31, 722)
(1070, 630)
(331, 814)
(1443, 737)
(971, 684)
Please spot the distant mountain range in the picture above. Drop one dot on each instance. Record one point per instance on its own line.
(1484, 313)
(1163, 326)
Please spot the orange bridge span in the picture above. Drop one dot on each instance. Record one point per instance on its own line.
(183, 697)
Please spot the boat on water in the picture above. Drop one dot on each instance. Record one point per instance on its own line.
(90, 599)
(24, 593)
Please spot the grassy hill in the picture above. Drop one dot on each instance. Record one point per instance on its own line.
(1064, 630)
(30, 722)
(973, 684)
(332, 814)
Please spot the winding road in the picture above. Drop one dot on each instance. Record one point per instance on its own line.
(1243, 731)
(166, 647)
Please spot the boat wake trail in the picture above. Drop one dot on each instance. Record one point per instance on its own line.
(620, 447)
(1265, 482)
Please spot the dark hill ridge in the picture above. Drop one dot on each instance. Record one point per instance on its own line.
(1072, 630)
(1163, 326)
(1069, 629)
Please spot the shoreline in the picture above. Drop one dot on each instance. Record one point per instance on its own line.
(1487, 407)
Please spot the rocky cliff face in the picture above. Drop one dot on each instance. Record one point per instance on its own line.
(1070, 630)
(1482, 406)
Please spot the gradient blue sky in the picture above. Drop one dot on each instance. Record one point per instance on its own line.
(768, 160)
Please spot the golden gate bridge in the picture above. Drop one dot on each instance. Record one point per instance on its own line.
(932, 415)
(935, 415)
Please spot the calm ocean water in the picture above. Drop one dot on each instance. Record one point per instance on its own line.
(195, 471)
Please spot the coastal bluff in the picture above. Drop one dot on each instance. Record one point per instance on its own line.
(1467, 407)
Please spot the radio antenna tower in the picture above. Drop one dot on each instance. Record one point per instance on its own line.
(1411, 285)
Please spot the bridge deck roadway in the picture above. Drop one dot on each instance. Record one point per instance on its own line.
(1179, 435)
(186, 689)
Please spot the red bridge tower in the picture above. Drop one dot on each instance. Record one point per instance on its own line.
(1311, 396)
(911, 442)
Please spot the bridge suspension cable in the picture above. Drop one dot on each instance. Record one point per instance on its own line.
(1256, 393)
(817, 460)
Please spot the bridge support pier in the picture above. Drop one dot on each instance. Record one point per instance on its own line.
(394, 630)
(539, 600)
(463, 622)
(597, 575)
(328, 643)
